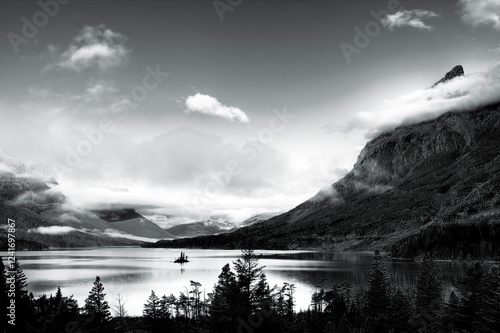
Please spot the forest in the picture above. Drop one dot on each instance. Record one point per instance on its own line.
(243, 301)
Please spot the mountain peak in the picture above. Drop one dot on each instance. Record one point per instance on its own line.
(455, 72)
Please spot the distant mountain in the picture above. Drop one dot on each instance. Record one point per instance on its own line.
(44, 217)
(194, 229)
(432, 186)
(212, 226)
(131, 222)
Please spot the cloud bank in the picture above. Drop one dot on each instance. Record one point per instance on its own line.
(463, 93)
(481, 12)
(210, 105)
(54, 230)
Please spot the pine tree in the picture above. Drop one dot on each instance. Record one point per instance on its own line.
(400, 310)
(153, 307)
(290, 301)
(172, 305)
(224, 305)
(252, 282)
(492, 312)
(474, 291)
(164, 307)
(96, 305)
(196, 298)
(58, 298)
(378, 294)
(451, 308)
(429, 300)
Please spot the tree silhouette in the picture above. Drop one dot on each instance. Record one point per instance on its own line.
(152, 307)
(378, 294)
(475, 292)
(96, 305)
(252, 281)
(429, 302)
(224, 304)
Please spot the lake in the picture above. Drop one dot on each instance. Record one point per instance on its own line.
(133, 272)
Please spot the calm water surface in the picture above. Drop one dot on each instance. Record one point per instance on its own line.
(133, 272)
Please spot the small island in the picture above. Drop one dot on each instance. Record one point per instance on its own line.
(182, 259)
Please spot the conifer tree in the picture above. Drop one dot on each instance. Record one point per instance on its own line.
(224, 305)
(474, 291)
(96, 305)
(429, 301)
(252, 282)
(152, 308)
(378, 295)
(451, 308)
(58, 298)
(493, 301)
(400, 310)
(164, 307)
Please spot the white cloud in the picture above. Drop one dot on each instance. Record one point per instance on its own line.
(100, 88)
(409, 18)
(96, 90)
(495, 50)
(54, 230)
(481, 12)
(211, 106)
(53, 112)
(459, 94)
(43, 93)
(93, 47)
(119, 234)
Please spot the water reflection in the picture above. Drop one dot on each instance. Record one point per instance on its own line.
(134, 272)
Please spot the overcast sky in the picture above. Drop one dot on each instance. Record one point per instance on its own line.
(199, 108)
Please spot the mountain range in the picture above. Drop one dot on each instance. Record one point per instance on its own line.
(431, 186)
(215, 225)
(45, 217)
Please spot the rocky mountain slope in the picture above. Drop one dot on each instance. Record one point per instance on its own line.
(455, 72)
(441, 175)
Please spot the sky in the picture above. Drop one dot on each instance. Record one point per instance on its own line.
(228, 108)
